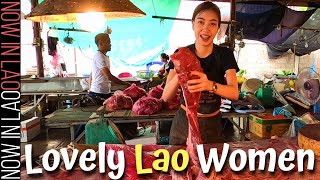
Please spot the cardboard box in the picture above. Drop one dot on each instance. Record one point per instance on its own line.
(29, 129)
(266, 125)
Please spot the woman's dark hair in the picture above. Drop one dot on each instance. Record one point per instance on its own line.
(164, 56)
(207, 6)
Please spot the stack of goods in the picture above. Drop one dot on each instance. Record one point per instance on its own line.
(266, 125)
(225, 105)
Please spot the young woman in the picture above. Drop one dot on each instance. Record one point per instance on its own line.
(217, 80)
(167, 65)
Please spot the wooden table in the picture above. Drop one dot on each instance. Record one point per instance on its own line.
(68, 118)
(124, 116)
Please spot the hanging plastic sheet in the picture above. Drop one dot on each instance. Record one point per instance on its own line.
(259, 21)
(306, 40)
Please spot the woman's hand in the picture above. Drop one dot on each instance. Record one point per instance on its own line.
(201, 84)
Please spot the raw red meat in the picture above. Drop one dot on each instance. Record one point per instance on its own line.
(118, 102)
(174, 103)
(147, 106)
(156, 92)
(134, 92)
(184, 62)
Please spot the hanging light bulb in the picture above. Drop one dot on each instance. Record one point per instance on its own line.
(306, 45)
(91, 21)
(66, 10)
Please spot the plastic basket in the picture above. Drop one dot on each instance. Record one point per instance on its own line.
(145, 74)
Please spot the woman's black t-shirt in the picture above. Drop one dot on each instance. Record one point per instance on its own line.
(214, 66)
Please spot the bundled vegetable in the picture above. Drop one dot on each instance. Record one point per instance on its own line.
(240, 78)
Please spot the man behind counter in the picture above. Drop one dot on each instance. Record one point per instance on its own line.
(100, 85)
(100, 70)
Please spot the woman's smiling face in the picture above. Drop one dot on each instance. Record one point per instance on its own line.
(205, 27)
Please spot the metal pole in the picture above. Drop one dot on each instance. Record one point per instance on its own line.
(75, 62)
(37, 42)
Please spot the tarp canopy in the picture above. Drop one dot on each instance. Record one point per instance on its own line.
(280, 27)
(138, 41)
(305, 40)
(134, 41)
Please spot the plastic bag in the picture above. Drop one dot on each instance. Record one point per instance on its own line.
(292, 130)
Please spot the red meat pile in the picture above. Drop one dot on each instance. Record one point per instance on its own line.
(118, 102)
(134, 92)
(147, 106)
(156, 92)
(174, 103)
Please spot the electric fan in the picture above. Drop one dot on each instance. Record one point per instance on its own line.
(307, 86)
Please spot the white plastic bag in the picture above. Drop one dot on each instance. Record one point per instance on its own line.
(292, 130)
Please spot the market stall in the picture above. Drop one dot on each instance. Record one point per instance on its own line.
(200, 82)
(68, 118)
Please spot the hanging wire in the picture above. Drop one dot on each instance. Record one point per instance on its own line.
(154, 8)
(82, 51)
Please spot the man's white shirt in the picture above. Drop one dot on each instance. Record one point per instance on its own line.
(100, 83)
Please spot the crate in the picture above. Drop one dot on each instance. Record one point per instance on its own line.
(266, 125)
(30, 129)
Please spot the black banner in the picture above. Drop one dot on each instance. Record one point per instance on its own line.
(10, 89)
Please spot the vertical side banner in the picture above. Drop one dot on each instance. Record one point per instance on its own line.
(10, 89)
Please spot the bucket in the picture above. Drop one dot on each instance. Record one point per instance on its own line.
(101, 130)
(251, 85)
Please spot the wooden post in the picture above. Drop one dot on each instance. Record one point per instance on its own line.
(37, 42)
(233, 26)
